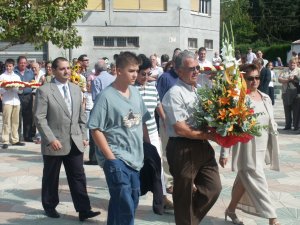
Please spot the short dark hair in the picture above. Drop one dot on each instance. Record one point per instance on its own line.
(10, 61)
(201, 49)
(248, 68)
(81, 57)
(127, 58)
(21, 57)
(145, 64)
(176, 49)
(58, 60)
(164, 58)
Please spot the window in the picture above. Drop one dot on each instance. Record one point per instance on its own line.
(116, 42)
(192, 43)
(146, 5)
(208, 44)
(201, 6)
(95, 5)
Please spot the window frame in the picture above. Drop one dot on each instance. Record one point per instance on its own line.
(207, 3)
(190, 40)
(116, 41)
(207, 43)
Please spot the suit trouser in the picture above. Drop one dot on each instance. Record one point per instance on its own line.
(193, 162)
(73, 163)
(26, 116)
(10, 123)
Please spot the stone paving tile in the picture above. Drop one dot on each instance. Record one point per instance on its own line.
(20, 183)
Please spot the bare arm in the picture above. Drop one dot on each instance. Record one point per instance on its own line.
(184, 130)
(146, 137)
(101, 142)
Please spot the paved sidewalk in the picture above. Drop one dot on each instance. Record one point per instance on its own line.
(20, 187)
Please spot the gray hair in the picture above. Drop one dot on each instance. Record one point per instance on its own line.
(100, 66)
(181, 57)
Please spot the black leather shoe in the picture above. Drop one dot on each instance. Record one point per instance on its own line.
(89, 214)
(4, 146)
(19, 144)
(286, 128)
(52, 213)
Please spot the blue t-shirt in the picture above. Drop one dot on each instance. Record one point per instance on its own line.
(121, 121)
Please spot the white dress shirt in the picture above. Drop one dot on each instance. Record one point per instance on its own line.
(10, 96)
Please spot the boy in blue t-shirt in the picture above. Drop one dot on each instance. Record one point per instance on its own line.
(117, 122)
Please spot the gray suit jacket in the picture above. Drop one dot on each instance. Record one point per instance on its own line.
(54, 121)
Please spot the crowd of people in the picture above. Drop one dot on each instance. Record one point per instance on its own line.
(134, 110)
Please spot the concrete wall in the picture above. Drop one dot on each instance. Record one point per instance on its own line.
(158, 32)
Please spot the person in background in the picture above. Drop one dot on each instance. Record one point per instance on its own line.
(84, 63)
(265, 75)
(118, 127)
(167, 80)
(271, 84)
(26, 99)
(250, 190)
(101, 81)
(204, 78)
(11, 107)
(88, 105)
(48, 76)
(259, 55)
(216, 60)
(151, 99)
(289, 80)
(156, 70)
(250, 56)
(113, 69)
(278, 62)
(164, 59)
(191, 158)
(60, 119)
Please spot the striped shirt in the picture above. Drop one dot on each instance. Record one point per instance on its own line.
(150, 97)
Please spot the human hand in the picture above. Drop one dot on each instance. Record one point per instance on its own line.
(56, 145)
(223, 161)
(85, 143)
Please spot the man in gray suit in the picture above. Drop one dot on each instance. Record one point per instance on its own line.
(60, 119)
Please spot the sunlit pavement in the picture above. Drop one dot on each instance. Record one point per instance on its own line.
(20, 189)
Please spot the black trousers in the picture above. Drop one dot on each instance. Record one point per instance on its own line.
(73, 163)
(26, 116)
(192, 162)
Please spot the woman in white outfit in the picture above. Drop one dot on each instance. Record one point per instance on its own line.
(250, 190)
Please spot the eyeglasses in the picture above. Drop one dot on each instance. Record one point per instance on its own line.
(252, 78)
(193, 69)
(146, 74)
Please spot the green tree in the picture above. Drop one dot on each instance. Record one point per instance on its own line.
(40, 21)
(237, 11)
(277, 20)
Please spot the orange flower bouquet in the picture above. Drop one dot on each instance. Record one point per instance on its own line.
(225, 108)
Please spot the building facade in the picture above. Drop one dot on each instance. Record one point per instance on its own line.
(145, 26)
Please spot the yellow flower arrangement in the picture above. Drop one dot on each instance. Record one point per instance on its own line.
(77, 78)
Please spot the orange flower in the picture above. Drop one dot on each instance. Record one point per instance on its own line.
(224, 100)
(234, 111)
(232, 93)
(222, 114)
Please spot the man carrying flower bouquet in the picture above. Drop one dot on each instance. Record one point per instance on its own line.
(191, 158)
(11, 106)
